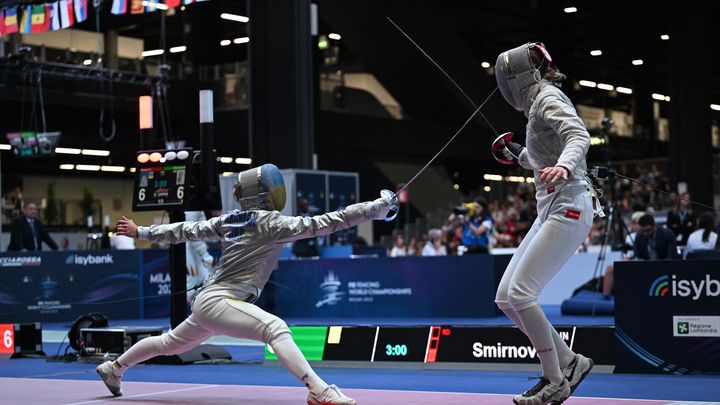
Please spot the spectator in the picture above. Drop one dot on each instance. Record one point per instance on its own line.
(434, 245)
(628, 253)
(411, 248)
(28, 233)
(398, 248)
(681, 219)
(653, 243)
(477, 228)
(704, 238)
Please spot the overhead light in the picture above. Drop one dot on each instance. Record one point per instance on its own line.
(155, 4)
(177, 49)
(241, 40)
(225, 159)
(234, 17)
(132, 170)
(243, 161)
(623, 90)
(67, 167)
(95, 152)
(570, 10)
(492, 177)
(587, 83)
(515, 179)
(485, 65)
(143, 158)
(4, 146)
(530, 180)
(667, 98)
(487, 189)
(182, 8)
(152, 52)
(596, 52)
(637, 62)
(603, 86)
(228, 174)
(715, 107)
(664, 37)
(456, 186)
(68, 151)
(658, 96)
(155, 157)
(225, 42)
(88, 168)
(322, 43)
(87, 62)
(116, 169)
(334, 36)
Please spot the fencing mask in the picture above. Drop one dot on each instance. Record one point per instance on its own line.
(515, 71)
(261, 188)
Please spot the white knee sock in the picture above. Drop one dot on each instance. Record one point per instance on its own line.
(293, 360)
(139, 352)
(565, 355)
(539, 330)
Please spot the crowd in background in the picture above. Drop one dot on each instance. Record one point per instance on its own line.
(509, 218)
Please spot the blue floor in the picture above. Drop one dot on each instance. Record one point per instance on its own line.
(629, 386)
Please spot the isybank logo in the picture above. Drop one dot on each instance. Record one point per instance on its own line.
(89, 259)
(664, 286)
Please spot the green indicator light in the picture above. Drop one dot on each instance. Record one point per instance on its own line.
(310, 340)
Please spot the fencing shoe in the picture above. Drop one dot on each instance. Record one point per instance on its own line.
(331, 395)
(112, 381)
(544, 393)
(576, 371)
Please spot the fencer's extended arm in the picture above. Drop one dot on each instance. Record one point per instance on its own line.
(182, 231)
(557, 112)
(287, 229)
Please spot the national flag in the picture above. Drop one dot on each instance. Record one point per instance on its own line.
(2, 22)
(80, 10)
(119, 7)
(152, 5)
(67, 14)
(54, 16)
(136, 7)
(172, 3)
(39, 20)
(11, 20)
(26, 20)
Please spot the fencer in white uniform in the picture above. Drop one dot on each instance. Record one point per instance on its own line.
(252, 239)
(557, 142)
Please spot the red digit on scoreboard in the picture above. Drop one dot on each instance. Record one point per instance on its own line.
(7, 339)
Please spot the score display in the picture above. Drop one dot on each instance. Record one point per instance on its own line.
(161, 179)
(448, 344)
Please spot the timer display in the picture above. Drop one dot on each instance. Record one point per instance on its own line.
(402, 343)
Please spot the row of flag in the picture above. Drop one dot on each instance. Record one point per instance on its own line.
(145, 6)
(42, 17)
(65, 13)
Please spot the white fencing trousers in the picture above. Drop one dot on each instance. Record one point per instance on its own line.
(214, 312)
(546, 248)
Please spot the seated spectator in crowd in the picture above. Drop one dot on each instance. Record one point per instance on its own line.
(705, 237)
(653, 243)
(411, 248)
(628, 253)
(434, 245)
(27, 232)
(476, 233)
(681, 219)
(398, 249)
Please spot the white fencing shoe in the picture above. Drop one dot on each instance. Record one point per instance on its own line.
(112, 381)
(331, 395)
(576, 371)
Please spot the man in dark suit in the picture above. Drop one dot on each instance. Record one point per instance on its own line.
(28, 233)
(653, 243)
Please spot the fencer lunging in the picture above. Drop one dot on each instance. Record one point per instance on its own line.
(252, 239)
(557, 142)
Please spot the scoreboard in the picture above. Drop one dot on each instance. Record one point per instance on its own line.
(161, 179)
(443, 344)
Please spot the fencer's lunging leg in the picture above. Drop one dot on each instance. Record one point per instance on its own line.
(293, 360)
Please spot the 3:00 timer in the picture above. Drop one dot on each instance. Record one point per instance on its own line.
(396, 350)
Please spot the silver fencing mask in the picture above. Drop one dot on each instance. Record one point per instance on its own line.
(261, 188)
(515, 71)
